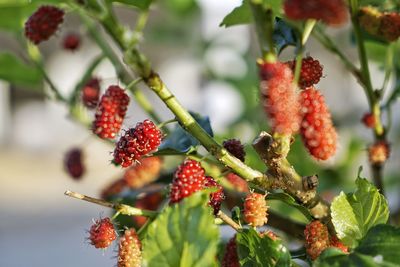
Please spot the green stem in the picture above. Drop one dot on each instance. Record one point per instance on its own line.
(189, 124)
(373, 98)
(163, 124)
(331, 46)
(126, 78)
(308, 27)
(85, 78)
(367, 85)
(388, 68)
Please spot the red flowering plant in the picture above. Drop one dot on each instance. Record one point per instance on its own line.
(172, 216)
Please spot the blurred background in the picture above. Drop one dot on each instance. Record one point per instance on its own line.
(210, 69)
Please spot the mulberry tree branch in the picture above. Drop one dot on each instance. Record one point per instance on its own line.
(288, 179)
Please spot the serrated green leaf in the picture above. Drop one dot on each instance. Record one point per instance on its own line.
(380, 247)
(355, 213)
(141, 4)
(254, 250)
(183, 234)
(17, 72)
(288, 199)
(239, 15)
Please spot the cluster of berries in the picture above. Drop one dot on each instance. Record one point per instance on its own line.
(385, 25)
(190, 178)
(102, 234)
(332, 12)
(289, 111)
(317, 239)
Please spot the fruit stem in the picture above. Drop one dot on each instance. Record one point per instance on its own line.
(36, 58)
(165, 123)
(120, 208)
(308, 27)
(85, 78)
(228, 220)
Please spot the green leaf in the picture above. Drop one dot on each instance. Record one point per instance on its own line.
(141, 4)
(382, 240)
(239, 15)
(288, 199)
(183, 234)
(254, 250)
(181, 7)
(180, 141)
(243, 15)
(355, 213)
(17, 72)
(12, 18)
(380, 247)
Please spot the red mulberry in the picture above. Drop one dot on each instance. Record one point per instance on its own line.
(280, 99)
(311, 71)
(317, 130)
(188, 179)
(144, 138)
(332, 12)
(110, 112)
(102, 233)
(42, 24)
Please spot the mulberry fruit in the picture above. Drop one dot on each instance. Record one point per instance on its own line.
(73, 163)
(280, 99)
(217, 197)
(91, 93)
(144, 172)
(255, 210)
(317, 130)
(129, 251)
(71, 42)
(231, 258)
(317, 238)
(188, 179)
(110, 112)
(42, 24)
(235, 147)
(332, 12)
(139, 141)
(311, 71)
(102, 233)
(378, 153)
